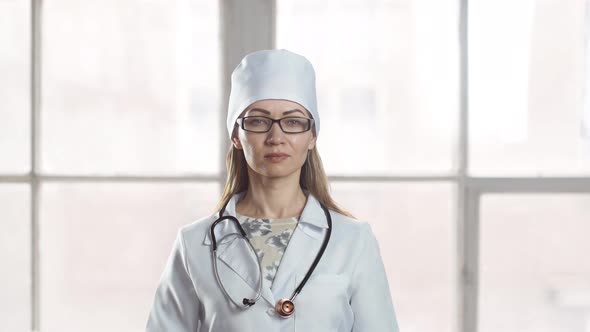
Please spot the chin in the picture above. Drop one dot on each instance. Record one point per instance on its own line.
(277, 171)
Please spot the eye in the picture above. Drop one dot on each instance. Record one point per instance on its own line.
(256, 121)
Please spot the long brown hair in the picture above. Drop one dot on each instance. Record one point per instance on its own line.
(312, 178)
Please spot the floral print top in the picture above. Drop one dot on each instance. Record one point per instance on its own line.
(269, 237)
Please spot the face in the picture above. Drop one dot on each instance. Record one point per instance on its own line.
(258, 147)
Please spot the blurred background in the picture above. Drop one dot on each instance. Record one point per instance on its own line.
(454, 127)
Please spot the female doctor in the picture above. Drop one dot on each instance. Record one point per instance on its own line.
(278, 254)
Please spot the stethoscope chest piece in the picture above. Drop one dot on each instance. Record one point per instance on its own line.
(285, 308)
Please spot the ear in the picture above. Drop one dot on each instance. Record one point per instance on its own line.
(312, 142)
(236, 142)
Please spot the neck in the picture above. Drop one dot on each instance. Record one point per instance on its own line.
(273, 198)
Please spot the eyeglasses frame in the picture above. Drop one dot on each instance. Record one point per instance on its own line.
(240, 123)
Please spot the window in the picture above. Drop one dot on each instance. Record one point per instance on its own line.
(15, 255)
(533, 271)
(15, 29)
(127, 90)
(104, 246)
(452, 127)
(526, 88)
(387, 78)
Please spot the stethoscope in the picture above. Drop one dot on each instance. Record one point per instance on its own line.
(285, 307)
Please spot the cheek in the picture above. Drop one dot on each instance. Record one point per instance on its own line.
(249, 146)
(301, 142)
(248, 150)
(300, 146)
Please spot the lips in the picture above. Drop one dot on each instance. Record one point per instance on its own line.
(271, 155)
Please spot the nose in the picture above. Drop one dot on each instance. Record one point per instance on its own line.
(275, 134)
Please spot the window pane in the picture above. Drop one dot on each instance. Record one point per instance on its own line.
(130, 87)
(534, 269)
(15, 257)
(526, 88)
(387, 81)
(104, 248)
(417, 246)
(15, 30)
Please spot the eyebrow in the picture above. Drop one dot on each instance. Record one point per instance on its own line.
(284, 113)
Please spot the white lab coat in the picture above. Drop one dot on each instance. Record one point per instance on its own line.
(348, 290)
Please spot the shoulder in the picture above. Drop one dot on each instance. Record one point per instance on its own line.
(359, 230)
(346, 221)
(194, 231)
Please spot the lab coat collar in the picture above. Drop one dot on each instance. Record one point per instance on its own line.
(312, 218)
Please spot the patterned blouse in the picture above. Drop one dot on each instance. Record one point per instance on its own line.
(269, 237)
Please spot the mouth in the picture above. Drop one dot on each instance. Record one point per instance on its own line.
(276, 157)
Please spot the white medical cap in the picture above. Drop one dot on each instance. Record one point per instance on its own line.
(272, 74)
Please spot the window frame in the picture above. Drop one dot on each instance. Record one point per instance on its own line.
(255, 29)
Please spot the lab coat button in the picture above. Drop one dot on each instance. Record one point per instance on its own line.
(270, 311)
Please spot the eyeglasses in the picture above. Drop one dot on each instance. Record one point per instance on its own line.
(262, 124)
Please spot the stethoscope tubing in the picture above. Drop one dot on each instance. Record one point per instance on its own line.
(245, 302)
(249, 302)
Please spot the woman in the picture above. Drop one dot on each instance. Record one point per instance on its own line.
(316, 268)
